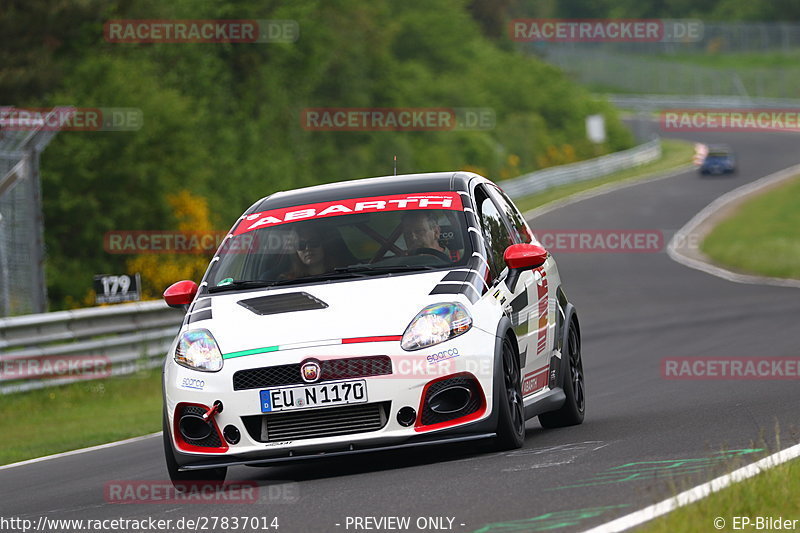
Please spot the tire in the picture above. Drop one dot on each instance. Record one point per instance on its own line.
(511, 420)
(574, 408)
(182, 480)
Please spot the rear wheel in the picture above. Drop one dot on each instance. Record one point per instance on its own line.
(511, 422)
(182, 481)
(574, 408)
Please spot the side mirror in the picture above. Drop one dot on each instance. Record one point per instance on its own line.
(180, 294)
(522, 257)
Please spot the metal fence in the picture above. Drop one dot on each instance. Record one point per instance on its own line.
(714, 38)
(667, 67)
(585, 170)
(128, 338)
(22, 283)
(634, 73)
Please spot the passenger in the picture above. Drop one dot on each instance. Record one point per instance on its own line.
(316, 251)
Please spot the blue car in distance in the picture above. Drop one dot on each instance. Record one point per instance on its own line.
(719, 160)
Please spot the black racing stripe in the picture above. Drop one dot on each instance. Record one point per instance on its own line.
(205, 314)
(448, 289)
(199, 305)
(480, 265)
(477, 243)
(463, 191)
(473, 278)
(452, 288)
(203, 303)
(520, 302)
(472, 220)
(463, 275)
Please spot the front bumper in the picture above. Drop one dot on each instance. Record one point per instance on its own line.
(472, 354)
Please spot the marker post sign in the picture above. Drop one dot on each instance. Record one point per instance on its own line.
(117, 289)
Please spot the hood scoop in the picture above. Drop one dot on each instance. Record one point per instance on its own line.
(282, 303)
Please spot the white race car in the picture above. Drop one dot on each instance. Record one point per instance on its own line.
(371, 314)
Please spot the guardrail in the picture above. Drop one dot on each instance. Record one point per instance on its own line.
(129, 337)
(667, 101)
(585, 170)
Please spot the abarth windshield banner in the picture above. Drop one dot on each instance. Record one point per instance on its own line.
(375, 204)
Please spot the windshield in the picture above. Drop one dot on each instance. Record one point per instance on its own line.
(343, 240)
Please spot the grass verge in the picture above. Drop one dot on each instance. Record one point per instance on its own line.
(772, 493)
(762, 236)
(78, 415)
(675, 153)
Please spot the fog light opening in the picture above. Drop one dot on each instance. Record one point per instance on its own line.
(193, 427)
(406, 416)
(231, 434)
(450, 400)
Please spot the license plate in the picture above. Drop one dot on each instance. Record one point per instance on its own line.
(308, 396)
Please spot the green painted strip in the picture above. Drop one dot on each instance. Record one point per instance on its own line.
(251, 352)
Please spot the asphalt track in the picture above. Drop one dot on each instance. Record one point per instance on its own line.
(644, 437)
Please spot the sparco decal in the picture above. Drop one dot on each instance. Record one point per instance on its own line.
(398, 202)
(193, 383)
(443, 355)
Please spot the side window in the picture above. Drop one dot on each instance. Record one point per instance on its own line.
(520, 229)
(495, 231)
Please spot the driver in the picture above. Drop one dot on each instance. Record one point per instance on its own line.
(421, 232)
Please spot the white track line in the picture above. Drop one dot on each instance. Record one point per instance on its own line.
(699, 492)
(82, 450)
(683, 234)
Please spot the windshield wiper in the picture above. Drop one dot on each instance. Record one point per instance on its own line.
(256, 284)
(383, 269)
(338, 273)
(241, 284)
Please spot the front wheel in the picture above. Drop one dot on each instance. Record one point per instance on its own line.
(182, 481)
(511, 422)
(574, 408)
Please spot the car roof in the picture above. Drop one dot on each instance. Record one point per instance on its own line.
(719, 149)
(366, 187)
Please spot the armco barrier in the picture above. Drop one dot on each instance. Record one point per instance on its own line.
(131, 336)
(585, 170)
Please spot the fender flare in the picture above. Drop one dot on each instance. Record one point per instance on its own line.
(504, 327)
(569, 314)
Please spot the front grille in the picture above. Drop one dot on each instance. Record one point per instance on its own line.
(316, 423)
(332, 369)
(212, 441)
(476, 401)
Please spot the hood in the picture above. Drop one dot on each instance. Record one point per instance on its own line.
(368, 307)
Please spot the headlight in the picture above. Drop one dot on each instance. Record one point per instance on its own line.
(434, 324)
(198, 350)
